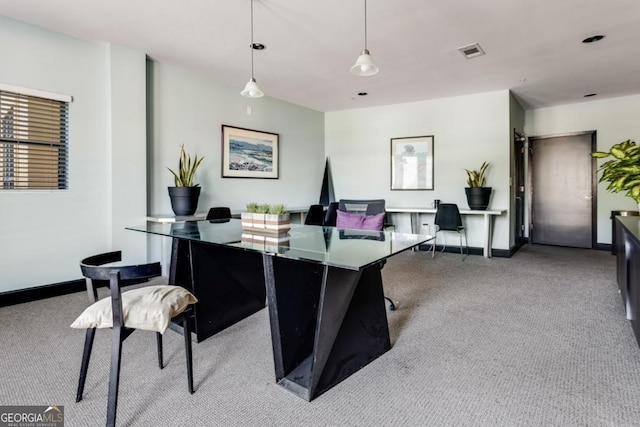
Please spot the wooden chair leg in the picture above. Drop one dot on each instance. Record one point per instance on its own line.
(114, 376)
(159, 340)
(84, 366)
(186, 326)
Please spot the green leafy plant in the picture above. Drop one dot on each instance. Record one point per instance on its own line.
(252, 207)
(186, 169)
(263, 208)
(623, 171)
(475, 178)
(277, 209)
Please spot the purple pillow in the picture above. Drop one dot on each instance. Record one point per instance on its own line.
(351, 221)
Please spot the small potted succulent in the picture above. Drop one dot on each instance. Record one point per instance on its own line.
(277, 219)
(185, 194)
(265, 219)
(478, 195)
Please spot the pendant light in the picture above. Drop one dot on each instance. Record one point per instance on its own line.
(251, 89)
(364, 65)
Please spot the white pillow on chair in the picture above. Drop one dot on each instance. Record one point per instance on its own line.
(149, 308)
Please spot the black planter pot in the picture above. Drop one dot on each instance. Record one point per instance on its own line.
(478, 197)
(184, 200)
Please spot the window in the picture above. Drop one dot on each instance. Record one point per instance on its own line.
(33, 142)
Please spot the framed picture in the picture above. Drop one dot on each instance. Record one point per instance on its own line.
(249, 153)
(412, 163)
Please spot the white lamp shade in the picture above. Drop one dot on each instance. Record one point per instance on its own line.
(251, 90)
(364, 65)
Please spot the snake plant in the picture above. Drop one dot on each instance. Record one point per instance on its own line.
(475, 178)
(186, 169)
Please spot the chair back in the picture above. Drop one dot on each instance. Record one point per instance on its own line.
(362, 207)
(116, 276)
(92, 268)
(331, 215)
(448, 217)
(218, 214)
(315, 215)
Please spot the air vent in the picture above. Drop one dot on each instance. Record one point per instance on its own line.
(471, 51)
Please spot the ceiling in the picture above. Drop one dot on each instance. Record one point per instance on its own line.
(533, 47)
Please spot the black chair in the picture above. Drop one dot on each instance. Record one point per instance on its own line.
(331, 215)
(219, 214)
(448, 218)
(366, 207)
(119, 311)
(315, 215)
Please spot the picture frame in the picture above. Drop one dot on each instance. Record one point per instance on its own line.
(248, 153)
(412, 163)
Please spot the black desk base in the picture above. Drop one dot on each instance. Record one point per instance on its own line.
(326, 322)
(229, 283)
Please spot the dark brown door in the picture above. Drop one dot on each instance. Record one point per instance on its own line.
(562, 190)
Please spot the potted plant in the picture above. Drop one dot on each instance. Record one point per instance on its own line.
(277, 219)
(246, 217)
(264, 219)
(185, 194)
(478, 195)
(622, 172)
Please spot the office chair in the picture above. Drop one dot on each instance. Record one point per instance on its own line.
(331, 215)
(367, 207)
(149, 308)
(315, 215)
(219, 214)
(448, 218)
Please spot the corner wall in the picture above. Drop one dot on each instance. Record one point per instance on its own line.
(615, 120)
(467, 131)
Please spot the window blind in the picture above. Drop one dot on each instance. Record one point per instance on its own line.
(33, 142)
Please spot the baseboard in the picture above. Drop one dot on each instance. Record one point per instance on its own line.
(41, 292)
(604, 247)
(500, 253)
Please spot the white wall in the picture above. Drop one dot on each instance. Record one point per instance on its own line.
(43, 235)
(467, 130)
(614, 119)
(190, 109)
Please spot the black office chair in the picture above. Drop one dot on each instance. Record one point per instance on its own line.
(315, 215)
(366, 207)
(219, 214)
(149, 307)
(448, 218)
(331, 215)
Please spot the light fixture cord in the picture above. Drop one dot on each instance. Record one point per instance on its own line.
(251, 45)
(365, 24)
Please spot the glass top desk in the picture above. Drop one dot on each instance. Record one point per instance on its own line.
(323, 287)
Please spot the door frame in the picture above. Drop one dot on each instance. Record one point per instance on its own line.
(520, 181)
(594, 181)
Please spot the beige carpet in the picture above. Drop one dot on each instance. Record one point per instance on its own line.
(536, 340)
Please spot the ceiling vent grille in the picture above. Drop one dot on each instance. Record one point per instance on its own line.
(471, 51)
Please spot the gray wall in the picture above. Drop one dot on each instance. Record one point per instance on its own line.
(190, 109)
(118, 165)
(44, 234)
(614, 119)
(467, 130)
(115, 178)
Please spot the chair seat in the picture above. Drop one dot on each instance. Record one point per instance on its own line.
(150, 308)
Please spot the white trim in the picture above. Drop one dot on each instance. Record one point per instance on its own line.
(36, 92)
